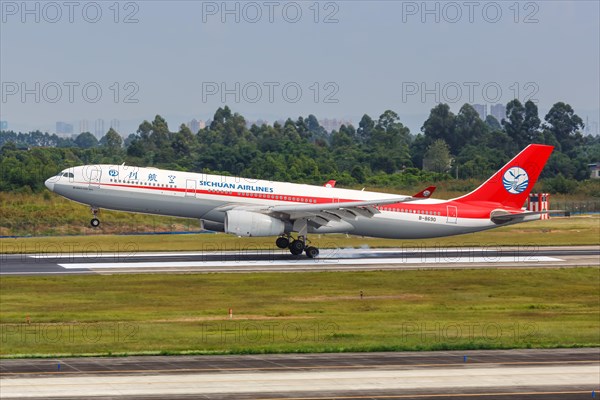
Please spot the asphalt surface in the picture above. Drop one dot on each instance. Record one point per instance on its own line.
(521, 374)
(282, 261)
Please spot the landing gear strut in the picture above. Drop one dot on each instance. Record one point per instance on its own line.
(95, 222)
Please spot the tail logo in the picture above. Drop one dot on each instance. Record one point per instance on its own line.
(515, 180)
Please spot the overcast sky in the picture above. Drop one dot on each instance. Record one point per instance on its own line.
(273, 60)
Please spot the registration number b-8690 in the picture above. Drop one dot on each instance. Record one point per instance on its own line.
(426, 218)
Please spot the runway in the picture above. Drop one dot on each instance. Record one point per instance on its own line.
(282, 261)
(491, 374)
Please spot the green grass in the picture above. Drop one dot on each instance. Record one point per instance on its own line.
(580, 230)
(49, 214)
(303, 312)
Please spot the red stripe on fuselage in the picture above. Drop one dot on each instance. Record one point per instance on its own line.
(439, 210)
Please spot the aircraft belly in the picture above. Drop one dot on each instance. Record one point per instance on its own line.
(409, 228)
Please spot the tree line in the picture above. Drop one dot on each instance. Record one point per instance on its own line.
(379, 152)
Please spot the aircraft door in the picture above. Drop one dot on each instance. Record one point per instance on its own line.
(92, 174)
(190, 188)
(452, 215)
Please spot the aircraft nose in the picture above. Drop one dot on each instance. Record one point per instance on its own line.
(49, 184)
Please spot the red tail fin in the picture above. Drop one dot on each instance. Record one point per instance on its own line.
(511, 185)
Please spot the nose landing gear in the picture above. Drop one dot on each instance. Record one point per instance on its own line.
(95, 222)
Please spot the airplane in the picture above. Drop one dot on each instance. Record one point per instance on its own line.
(250, 207)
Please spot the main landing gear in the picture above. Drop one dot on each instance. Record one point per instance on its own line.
(297, 246)
(95, 222)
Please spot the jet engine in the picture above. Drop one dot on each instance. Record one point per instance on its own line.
(246, 223)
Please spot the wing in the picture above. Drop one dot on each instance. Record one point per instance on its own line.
(321, 214)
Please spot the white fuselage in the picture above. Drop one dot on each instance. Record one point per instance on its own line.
(208, 197)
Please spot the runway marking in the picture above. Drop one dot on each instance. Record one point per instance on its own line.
(311, 262)
(324, 252)
(293, 368)
(93, 254)
(411, 396)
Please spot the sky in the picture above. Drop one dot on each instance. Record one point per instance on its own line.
(130, 60)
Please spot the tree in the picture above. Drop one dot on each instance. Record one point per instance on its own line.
(183, 141)
(112, 140)
(365, 128)
(564, 124)
(437, 157)
(493, 123)
(86, 140)
(160, 135)
(417, 148)
(514, 122)
(388, 145)
(531, 124)
(468, 128)
(312, 123)
(440, 125)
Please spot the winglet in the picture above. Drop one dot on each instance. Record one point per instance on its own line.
(330, 183)
(425, 193)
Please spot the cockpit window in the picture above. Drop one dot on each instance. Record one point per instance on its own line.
(68, 175)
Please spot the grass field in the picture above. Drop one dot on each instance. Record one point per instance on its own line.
(301, 312)
(578, 230)
(49, 214)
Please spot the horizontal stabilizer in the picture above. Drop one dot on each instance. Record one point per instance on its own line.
(502, 218)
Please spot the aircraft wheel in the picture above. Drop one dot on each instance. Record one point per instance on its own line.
(312, 252)
(95, 222)
(297, 247)
(282, 242)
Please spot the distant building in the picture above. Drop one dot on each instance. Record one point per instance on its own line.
(3, 125)
(258, 122)
(333, 124)
(498, 111)
(114, 124)
(84, 126)
(99, 128)
(194, 125)
(64, 128)
(481, 110)
(594, 170)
